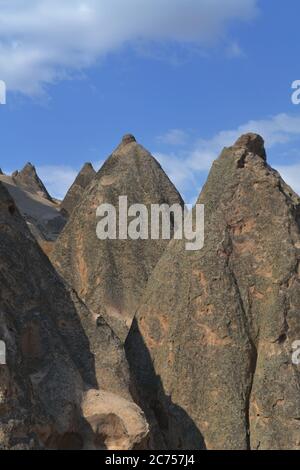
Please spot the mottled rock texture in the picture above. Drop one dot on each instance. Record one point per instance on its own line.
(211, 347)
(74, 194)
(110, 275)
(57, 352)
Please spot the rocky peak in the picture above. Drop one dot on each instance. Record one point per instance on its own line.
(211, 346)
(87, 167)
(252, 143)
(75, 193)
(127, 139)
(29, 180)
(85, 175)
(110, 275)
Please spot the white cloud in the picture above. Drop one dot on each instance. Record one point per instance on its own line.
(174, 137)
(42, 41)
(57, 179)
(189, 165)
(186, 168)
(177, 169)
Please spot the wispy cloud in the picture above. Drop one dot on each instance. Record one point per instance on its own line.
(188, 166)
(174, 137)
(43, 41)
(57, 179)
(189, 163)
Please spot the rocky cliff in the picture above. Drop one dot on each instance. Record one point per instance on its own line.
(65, 383)
(110, 275)
(210, 349)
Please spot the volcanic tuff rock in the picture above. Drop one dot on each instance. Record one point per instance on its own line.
(211, 347)
(110, 275)
(52, 367)
(73, 196)
(29, 180)
(40, 211)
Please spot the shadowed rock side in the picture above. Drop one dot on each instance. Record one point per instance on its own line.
(51, 366)
(110, 275)
(215, 328)
(73, 196)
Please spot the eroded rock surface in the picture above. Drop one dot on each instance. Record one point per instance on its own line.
(110, 275)
(56, 351)
(211, 346)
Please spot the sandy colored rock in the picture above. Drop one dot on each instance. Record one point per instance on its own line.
(211, 347)
(117, 424)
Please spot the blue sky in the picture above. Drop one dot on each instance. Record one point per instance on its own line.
(186, 77)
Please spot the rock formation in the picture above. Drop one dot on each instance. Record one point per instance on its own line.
(110, 275)
(210, 349)
(73, 196)
(58, 356)
(40, 211)
(28, 179)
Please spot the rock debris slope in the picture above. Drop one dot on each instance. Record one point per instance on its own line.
(110, 275)
(58, 357)
(211, 347)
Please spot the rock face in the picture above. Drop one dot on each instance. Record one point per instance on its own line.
(110, 275)
(57, 353)
(73, 196)
(211, 347)
(39, 210)
(28, 179)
